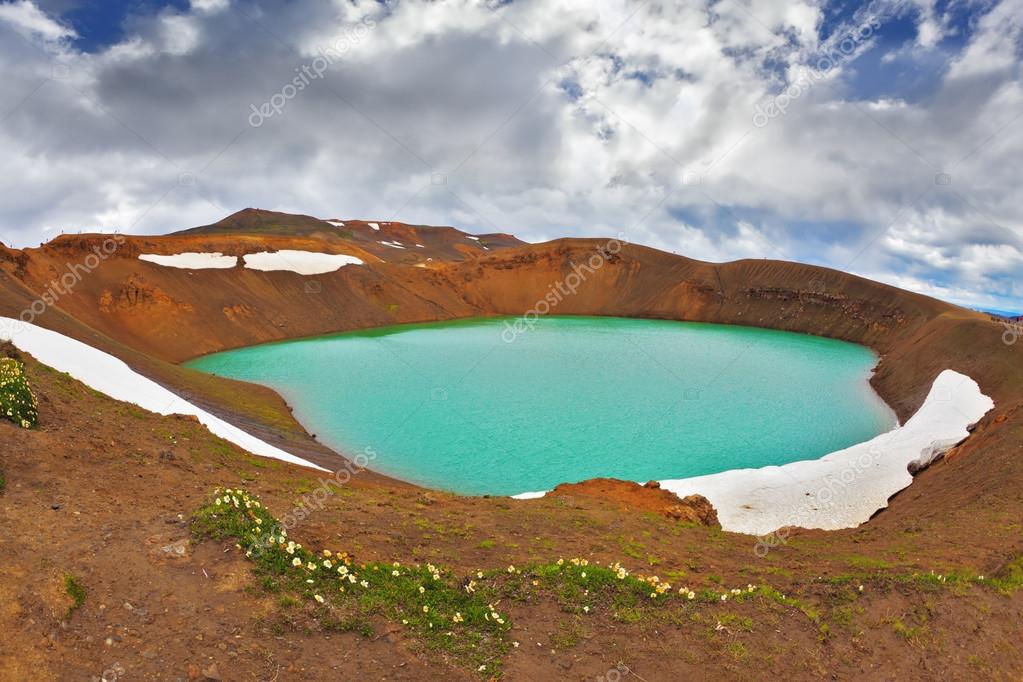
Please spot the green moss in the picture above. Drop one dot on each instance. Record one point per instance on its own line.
(76, 591)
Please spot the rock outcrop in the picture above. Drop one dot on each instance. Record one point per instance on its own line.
(626, 495)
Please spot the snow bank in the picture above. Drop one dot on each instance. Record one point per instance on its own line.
(192, 261)
(374, 226)
(529, 496)
(393, 245)
(107, 374)
(842, 489)
(302, 262)
(335, 223)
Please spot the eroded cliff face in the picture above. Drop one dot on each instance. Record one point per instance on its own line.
(138, 296)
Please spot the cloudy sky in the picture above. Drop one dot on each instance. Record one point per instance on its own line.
(883, 139)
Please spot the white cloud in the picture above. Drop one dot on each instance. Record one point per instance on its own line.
(545, 119)
(210, 6)
(27, 19)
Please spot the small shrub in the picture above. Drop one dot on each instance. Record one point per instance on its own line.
(17, 402)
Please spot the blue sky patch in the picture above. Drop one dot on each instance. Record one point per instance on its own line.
(101, 24)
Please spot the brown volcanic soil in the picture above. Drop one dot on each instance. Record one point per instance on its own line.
(119, 477)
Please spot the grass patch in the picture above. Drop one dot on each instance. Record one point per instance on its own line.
(1010, 577)
(867, 563)
(456, 617)
(908, 632)
(17, 402)
(465, 618)
(74, 588)
(568, 635)
(738, 651)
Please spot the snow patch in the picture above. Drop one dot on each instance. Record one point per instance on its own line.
(374, 226)
(192, 261)
(302, 262)
(842, 489)
(529, 496)
(393, 245)
(106, 374)
(469, 236)
(335, 223)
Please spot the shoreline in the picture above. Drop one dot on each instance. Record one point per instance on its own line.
(113, 377)
(842, 489)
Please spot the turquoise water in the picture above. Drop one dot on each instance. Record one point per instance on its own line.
(453, 406)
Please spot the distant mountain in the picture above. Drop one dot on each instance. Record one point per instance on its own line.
(259, 221)
(1000, 313)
